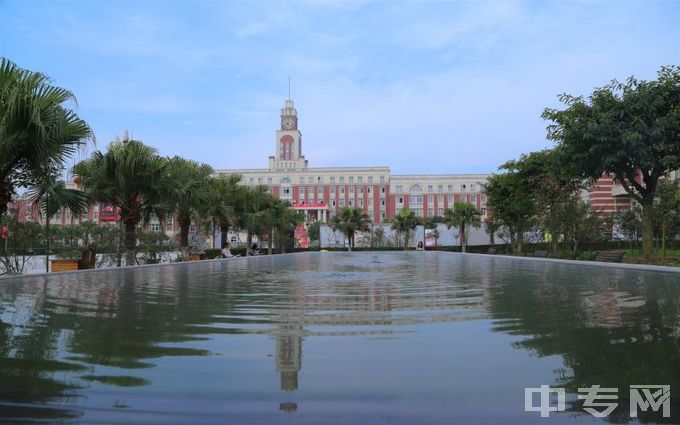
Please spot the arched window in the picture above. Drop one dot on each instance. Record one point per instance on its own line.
(287, 147)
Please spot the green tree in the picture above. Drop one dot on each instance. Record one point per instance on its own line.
(51, 196)
(629, 224)
(585, 225)
(491, 227)
(130, 176)
(38, 132)
(551, 187)
(187, 192)
(512, 206)
(349, 221)
(314, 231)
(629, 130)
(404, 223)
(378, 238)
(462, 215)
(667, 205)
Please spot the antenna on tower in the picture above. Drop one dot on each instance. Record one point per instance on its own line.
(289, 87)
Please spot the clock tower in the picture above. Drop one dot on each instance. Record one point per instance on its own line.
(288, 142)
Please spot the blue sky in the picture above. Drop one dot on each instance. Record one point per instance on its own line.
(422, 87)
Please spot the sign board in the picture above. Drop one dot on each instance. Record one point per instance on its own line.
(301, 236)
(107, 212)
(430, 241)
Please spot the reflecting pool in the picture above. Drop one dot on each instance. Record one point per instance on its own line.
(338, 338)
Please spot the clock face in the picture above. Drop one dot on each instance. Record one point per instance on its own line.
(287, 123)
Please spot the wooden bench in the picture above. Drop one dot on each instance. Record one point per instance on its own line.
(540, 254)
(609, 257)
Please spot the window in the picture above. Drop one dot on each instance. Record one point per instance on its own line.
(360, 202)
(451, 201)
(368, 190)
(449, 188)
(400, 200)
(342, 179)
(96, 215)
(351, 179)
(269, 180)
(332, 179)
(333, 202)
(286, 191)
(342, 190)
(483, 210)
(399, 188)
(382, 215)
(332, 190)
(440, 199)
(350, 202)
(370, 179)
(415, 200)
(382, 179)
(360, 179)
(462, 187)
(430, 212)
(361, 189)
(342, 203)
(351, 189)
(319, 179)
(302, 180)
(382, 189)
(429, 188)
(472, 187)
(440, 188)
(302, 192)
(259, 180)
(483, 199)
(155, 227)
(310, 190)
(251, 180)
(320, 191)
(382, 202)
(441, 212)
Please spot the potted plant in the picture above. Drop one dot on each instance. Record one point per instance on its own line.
(67, 260)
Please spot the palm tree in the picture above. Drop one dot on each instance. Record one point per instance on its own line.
(219, 205)
(130, 176)
(37, 132)
(462, 215)
(187, 192)
(404, 223)
(350, 220)
(51, 196)
(250, 203)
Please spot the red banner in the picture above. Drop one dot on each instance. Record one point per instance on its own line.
(309, 205)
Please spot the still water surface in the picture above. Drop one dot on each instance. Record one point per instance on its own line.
(338, 338)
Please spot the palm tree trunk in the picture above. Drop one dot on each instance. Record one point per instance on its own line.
(184, 224)
(271, 241)
(224, 230)
(463, 237)
(47, 233)
(249, 242)
(130, 242)
(664, 225)
(648, 228)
